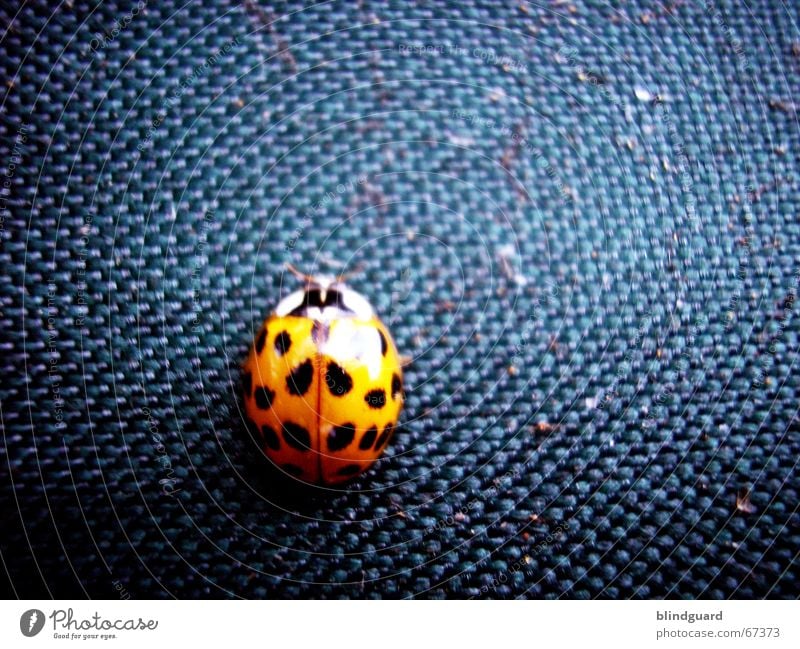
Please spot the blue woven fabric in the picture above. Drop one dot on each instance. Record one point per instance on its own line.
(580, 221)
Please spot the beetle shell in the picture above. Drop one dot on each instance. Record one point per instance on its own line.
(323, 385)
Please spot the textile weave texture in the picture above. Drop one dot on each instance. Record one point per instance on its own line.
(578, 219)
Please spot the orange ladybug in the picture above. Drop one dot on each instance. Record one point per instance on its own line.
(323, 384)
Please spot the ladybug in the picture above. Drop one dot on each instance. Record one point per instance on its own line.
(323, 384)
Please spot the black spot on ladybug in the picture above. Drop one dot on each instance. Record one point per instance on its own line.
(339, 382)
(283, 341)
(384, 344)
(262, 338)
(397, 386)
(350, 469)
(319, 332)
(341, 436)
(292, 469)
(385, 435)
(376, 398)
(270, 437)
(300, 379)
(264, 397)
(368, 439)
(296, 436)
(247, 383)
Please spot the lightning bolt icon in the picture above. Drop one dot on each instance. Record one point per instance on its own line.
(32, 621)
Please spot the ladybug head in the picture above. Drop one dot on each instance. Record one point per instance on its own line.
(324, 294)
(321, 283)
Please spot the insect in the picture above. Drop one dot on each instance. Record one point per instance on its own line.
(323, 384)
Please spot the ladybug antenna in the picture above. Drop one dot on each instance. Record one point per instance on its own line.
(299, 275)
(359, 268)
